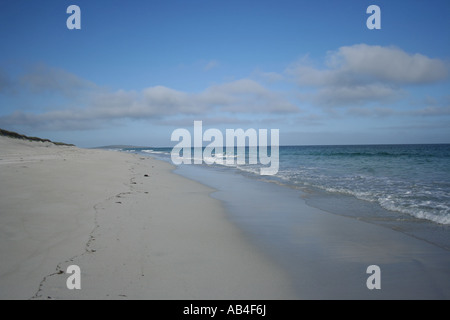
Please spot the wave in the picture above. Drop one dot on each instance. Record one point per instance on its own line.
(369, 154)
(155, 152)
(408, 179)
(391, 195)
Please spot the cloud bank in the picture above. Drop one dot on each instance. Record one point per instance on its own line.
(352, 78)
(97, 104)
(360, 74)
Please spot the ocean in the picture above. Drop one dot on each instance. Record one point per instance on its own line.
(404, 187)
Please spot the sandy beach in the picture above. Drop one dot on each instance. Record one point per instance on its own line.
(185, 151)
(135, 229)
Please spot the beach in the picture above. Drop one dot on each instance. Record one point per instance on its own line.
(139, 230)
(135, 229)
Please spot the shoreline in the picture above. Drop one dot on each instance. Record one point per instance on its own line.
(327, 254)
(159, 236)
(139, 228)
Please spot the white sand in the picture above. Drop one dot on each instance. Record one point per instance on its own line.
(162, 236)
(134, 237)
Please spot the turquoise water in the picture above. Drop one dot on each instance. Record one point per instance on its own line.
(408, 180)
(295, 216)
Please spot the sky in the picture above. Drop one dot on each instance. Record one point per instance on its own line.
(138, 70)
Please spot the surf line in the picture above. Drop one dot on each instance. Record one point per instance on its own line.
(213, 152)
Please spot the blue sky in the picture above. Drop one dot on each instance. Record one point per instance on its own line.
(137, 70)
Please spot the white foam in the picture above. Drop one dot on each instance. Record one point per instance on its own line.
(154, 152)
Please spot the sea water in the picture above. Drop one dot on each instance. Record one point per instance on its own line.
(403, 187)
(411, 180)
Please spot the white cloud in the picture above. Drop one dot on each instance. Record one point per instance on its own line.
(359, 74)
(388, 64)
(243, 96)
(353, 76)
(355, 95)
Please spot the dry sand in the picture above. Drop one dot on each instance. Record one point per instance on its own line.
(134, 236)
